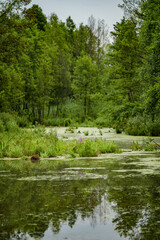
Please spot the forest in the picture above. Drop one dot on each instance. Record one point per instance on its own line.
(55, 73)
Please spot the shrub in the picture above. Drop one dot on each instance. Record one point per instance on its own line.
(38, 149)
(2, 127)
(4, 148)
(118, 130)
(155, 128)
(143, 126)
(51, 152)
(136, 146)
(147, 145)
(11, 126)
(102, 122)
(16, 152)
(70, 129)
(8, 122)
(54, 122)
(107, 147)
(90, 148)
(86, 133)
(22, 121)
(71, 109)
(87, 148)
(67, 122)
(137, 126)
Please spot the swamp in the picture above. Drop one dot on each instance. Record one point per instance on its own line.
(79, 121)
(110, 196)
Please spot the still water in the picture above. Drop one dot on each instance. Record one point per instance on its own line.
(103, 199)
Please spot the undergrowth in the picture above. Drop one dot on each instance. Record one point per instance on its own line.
(147, 145)
(28, 142)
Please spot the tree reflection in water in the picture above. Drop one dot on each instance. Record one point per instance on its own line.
(127, 197)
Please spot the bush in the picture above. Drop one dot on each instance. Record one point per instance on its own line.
(22, 121)
(2, 127)
(90, 148)
(102, 122)
(8, 122)
(142, 126)
(155, 128)
(4, 148)
(53, 122)
(51, 152)
(87, 149)
(137, 126)
(146, 145)
(86, 133)
(71, 109)
(67, 122)
(107, 147)
(118, 130)
(16, 152)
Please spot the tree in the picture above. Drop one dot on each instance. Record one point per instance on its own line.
(60, 55)
(70, 27)
(150, 38)
(84, 83)
(132, 8)
(123, 60)
(36, 16)
(8, 7)
(12, 45)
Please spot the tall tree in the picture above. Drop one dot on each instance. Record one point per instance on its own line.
(150, 38)
(12, 45)
(60, 55)
(36, 16)
(123, 60)
(84, 83)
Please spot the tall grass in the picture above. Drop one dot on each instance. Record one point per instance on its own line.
(27, 142)
(92, 148)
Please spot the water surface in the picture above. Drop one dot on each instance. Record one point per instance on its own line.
(113, 198)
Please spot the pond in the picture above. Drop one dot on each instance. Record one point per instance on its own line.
(113, 198)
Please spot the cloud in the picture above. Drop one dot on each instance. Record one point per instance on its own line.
(81, 10)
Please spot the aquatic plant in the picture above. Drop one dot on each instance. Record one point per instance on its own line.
(4, 147)
(28, 142)
(67, 122)
(70, 129)
(147, 144)
(107, 147)
(92, 148)
(87, 148)
(86, 133)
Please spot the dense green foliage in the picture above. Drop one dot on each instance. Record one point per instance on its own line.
(53, 72)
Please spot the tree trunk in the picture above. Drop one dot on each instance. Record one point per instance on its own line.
(85, 106)
(49, 108)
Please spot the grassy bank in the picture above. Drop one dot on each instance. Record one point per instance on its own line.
(27, 142)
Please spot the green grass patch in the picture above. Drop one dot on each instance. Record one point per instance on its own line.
(92, 148)
(28, 142)
(147, 145)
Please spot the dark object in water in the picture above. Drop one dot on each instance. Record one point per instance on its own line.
(35, 157)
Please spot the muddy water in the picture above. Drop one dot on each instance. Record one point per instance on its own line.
(113, 198)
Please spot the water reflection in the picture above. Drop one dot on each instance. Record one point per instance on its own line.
(35, 161)
(118, 199)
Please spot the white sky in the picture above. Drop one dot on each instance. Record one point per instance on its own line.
(81, 10)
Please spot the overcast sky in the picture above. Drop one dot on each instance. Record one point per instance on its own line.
(81, 10)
